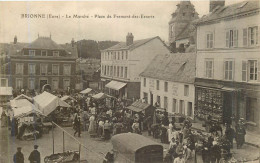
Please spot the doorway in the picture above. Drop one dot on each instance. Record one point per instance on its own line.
(228, 105)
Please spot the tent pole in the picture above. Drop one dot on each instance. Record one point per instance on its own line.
(52, 139)
(63, 141)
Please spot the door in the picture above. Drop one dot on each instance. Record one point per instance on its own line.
(151, 99)
(42, 83)
(228, 106)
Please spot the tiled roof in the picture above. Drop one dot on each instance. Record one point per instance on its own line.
(44, 43)
(137, 43)
(176, 67)
(231, 10)
(187, 32)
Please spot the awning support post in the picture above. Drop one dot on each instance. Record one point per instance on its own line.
(63, 140)
(52, 139)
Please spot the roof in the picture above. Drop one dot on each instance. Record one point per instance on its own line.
(138, 106)
(175, 67)
(22, 96)
(6, 91)
(137, 43)
(115, 85)
(231, 10)
(26, 110)
(47, 102)
(44, 43)
(187, 32)
(20, 103)
(129, 143)
(88, 90)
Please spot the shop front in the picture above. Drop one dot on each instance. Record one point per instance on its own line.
(116, 89)
(227, 102)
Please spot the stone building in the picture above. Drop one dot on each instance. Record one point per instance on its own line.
(121, 65)
(42, 62)
(181, 28)
(228, 76)
(169, 80)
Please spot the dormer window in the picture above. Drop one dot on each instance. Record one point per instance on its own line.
(44, 53)
(56, 53)
(31, 52)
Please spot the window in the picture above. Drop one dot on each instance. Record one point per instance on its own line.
(19, 68)
(111, 70)
(31, 52)
(186, 90)
(252, 70)
(209, 68)
(228, 70)
(245, 37)
(66, 83)
(145, 96)
(165, 102)
(157, 84)
(56, 53)
(31, 68)
(123, 55)
(118, 55)
(31, 83)
(144, 82)
(253, 36)
(3, 82)
(55, 84)
(19, 83)
(66, 70)
(55, 69)
(44, 68)
(122, 72)
(231, 38)
(244, 70)
(108, 71)
(44, 53)
(166, 86)
(174, 105)
(125, 72)
(117, 71)
(159, 100)
(126, 55)
(210, 40)
(114, 70)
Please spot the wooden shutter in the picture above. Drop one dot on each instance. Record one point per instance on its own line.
(245, 37)
(227, 39)
(244, 70)
(258, 70)
(235, 37)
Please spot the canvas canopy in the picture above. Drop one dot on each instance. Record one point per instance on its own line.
(25, 111)
(20, 103)
(6, 91)
(138, 106)
(64, 98)
(88, 90)
(99, 96)
(22, 96)
(115, 85)
(47, 102)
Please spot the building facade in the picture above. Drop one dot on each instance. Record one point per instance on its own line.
(42, 62)
(121, 64)
(181, 29)
(228, 82)
(169, 80)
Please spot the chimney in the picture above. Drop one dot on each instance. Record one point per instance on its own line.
(72, 42)
(214, 3)
(129, 39)
(15, 39)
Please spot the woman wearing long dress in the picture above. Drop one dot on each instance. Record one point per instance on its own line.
(91, 129)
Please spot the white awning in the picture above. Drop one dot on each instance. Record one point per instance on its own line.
(115, 85)
(6, 91)
(228, 89)
(99, 96)
(86, 91)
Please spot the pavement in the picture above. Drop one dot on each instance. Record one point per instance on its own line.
(95, 147)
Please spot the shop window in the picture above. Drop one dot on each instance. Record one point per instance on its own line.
(251, 109)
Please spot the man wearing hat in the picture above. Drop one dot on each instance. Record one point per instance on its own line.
(18, 156)
(35, 156)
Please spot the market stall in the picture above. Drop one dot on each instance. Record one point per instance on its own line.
(6, 94)
(139, 106)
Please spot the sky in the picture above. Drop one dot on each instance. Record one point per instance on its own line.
(100, 29)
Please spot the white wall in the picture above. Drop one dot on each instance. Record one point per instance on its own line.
(175, 91)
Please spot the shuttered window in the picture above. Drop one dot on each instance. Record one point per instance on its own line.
(231, 38)
(245, 37)
(244, 70)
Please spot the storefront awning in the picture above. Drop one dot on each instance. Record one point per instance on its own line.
(211, 85)
(115, 85)
(6, 91)
(229, 89)
(138, 106)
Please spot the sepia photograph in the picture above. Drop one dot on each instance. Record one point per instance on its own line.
(130, 81)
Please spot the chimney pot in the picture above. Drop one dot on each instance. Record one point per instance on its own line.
(129, 39)
(15, 39)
